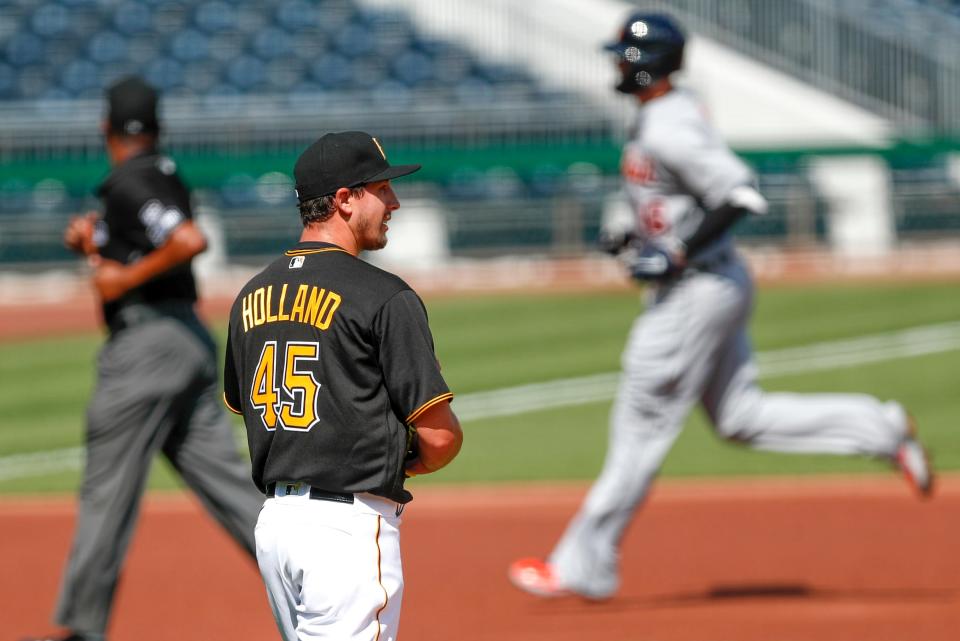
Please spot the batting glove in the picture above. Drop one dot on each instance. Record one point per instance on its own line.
(654, 261)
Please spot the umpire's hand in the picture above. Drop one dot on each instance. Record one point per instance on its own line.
(78, 236)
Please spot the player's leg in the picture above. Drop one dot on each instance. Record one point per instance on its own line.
(665, 363)
(127, 419)
(203, 449)
(332, 570)
(670, 356)
(828, 423)
(586, 558)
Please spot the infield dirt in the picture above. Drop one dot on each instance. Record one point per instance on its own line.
(805, 559)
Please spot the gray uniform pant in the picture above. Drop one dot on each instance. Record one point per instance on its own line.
(156, 390)
(690, 346)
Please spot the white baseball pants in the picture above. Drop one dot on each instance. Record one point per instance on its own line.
(332, 570)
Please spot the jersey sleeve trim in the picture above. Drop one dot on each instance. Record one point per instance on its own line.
(304, 252)
(230, 407)
(415, 414)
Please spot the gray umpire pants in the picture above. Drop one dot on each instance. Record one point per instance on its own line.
(157, 389)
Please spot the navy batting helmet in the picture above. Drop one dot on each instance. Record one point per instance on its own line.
(651, 45)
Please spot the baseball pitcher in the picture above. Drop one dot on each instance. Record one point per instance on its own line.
(331, 362)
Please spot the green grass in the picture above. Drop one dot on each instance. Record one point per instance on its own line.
(492, 342)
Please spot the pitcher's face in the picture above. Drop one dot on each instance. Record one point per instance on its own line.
(372, 212)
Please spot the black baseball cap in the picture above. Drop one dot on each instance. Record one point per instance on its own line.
(343, 159)
(132, 107)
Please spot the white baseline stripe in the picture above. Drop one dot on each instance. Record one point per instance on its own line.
(568, 392)
(794, 360)
(21, 466)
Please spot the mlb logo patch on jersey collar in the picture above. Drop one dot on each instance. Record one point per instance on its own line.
(296, 262)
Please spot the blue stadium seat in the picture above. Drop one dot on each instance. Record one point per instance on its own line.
(296, 15)
(71, 48)
(190, 45)
(81, 76)
(132, 18)
(584, 178)
(366, 73)
(15, 195)
(331, 71)
(24, 49)
(310, 45)
(107, 47)
(246, 73)
(546, 179)
(215, 16)
(164, 73)
(8, 82)
(201, 76)
(283, 74)
(413, 68)
(353, 40)
(503, 182)
(239, 190)
(225, 47)
(50, 20)
(271, 43)
(466, 183)
(450, 63)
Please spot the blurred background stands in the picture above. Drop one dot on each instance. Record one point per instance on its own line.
(518, 163)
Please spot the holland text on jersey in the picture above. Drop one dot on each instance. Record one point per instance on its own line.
(311, 305)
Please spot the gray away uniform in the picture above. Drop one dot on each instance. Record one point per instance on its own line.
(691, 345)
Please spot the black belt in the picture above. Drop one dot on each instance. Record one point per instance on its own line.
(315, 493)
(714, 262)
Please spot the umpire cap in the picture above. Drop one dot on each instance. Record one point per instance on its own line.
(132, 107)
(343, 159)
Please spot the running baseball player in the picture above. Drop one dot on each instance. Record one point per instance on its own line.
(157, 387)
(330, 360)
(687, 189)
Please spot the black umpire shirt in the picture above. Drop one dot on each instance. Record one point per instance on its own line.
(144, 201)
(329, 359)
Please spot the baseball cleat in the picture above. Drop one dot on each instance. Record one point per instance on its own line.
(914, 462)
(536, 577)
(915, 465)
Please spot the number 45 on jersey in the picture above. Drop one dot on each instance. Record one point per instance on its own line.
(289, 400)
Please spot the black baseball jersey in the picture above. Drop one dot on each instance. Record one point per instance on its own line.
(328, 360)
(144, 201)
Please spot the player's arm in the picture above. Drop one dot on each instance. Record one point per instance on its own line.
(112, 279)
(741, 201)
(439, 438)
(414, 383)
(231, 386)
(716, 177)
(656, 260)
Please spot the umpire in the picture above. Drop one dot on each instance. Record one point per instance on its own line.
(331, 362)
(157, 387)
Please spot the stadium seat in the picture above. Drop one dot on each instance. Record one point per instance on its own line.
(107, 47)
(50, 20)
(165, 73)
(132, 18)
(190, 45)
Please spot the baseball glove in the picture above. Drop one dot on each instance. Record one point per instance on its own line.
(413, 448)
